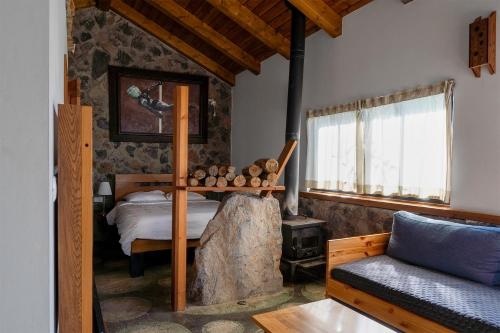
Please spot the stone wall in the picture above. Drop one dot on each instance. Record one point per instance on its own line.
(104, 38)
(346, 220)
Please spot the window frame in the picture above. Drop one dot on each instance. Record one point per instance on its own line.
(445, 87)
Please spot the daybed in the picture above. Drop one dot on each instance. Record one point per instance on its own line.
(404, 280)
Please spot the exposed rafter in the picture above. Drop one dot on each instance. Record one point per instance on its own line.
(207, 33)
(253, 24)
(159, 32)
(79, 4)
(321, 14)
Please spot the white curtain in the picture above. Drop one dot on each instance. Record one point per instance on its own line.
(331, 162)
(396, 145)
(405, 148)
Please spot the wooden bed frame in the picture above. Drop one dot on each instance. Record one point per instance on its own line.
(341, 251)
(129, 183)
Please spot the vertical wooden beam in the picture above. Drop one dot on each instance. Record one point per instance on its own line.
(74, 92)
(179, 213)
(66, 80)
(75, 218)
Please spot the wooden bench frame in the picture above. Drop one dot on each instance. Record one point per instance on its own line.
(341, 251)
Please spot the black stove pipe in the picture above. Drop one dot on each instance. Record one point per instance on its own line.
(293, 113)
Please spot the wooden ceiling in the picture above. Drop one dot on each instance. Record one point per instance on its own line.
(228, 36)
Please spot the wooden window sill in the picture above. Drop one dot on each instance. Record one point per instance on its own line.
(440, 210)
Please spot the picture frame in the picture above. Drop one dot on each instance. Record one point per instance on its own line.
(141, 105)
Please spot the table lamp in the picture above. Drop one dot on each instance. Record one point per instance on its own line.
(104, 191)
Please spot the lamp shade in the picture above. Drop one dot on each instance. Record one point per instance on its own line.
(104, 189)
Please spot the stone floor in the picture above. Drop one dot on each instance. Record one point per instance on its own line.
(142, 304)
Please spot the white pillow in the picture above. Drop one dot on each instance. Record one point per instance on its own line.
(155, 195)
(192, 196)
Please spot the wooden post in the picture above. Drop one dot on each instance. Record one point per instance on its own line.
(74, 238)
(179, 213)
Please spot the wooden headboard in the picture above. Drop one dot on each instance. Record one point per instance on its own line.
(129, 183)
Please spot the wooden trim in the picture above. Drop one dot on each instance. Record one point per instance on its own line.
(207, 33)
(150, 245)
(341, 251)
(144, 178)
(382, 310)
(321, 14)
(129, 183)
(234, 189)
(492, 43)
(74, 238)
(245, 18)
(179, 209)
(66, 81)
(410, 206)
(177, 43)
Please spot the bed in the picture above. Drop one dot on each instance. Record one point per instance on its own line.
(146, 226)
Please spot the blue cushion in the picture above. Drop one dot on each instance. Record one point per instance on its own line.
(468, 251)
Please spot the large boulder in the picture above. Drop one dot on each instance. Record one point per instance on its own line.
(240, 251)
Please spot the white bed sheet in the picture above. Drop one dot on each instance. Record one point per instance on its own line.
(153, 220)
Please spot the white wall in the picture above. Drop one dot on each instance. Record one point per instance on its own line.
(33, 37)
(386, 46)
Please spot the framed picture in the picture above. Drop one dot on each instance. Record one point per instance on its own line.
(141, 105)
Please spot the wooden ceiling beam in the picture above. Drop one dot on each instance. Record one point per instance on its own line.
(159, 32)
(253, 24)
(207, 33)
(80, 4)
(321, 14)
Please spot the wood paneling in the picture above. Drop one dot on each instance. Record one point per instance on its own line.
(179, 209)
(253, 24)
(207, 33)
(75, 218)
(228, 36)
(410, 206)
(164, 35)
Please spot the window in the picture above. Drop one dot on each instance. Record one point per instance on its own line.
(397, 145)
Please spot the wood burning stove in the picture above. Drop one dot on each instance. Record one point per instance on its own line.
(302, 238)
(303, 245)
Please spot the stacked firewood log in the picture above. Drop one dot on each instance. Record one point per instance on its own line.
(262, 173)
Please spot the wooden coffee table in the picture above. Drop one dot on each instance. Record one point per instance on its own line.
(324, 316)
